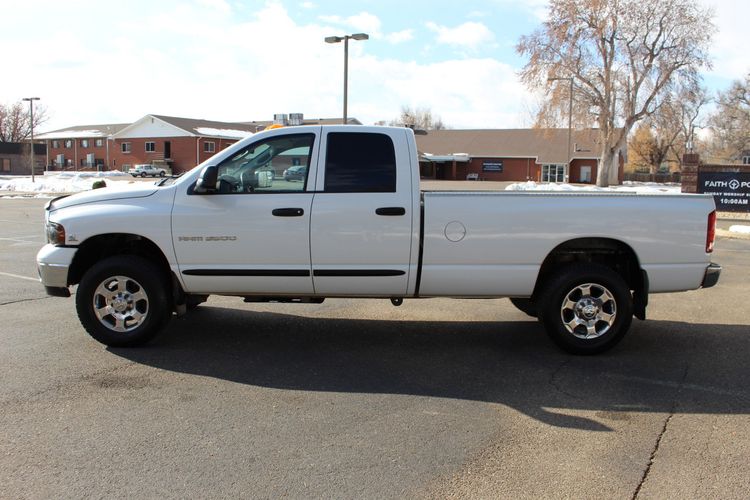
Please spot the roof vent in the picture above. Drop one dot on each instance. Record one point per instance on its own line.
(281, 119)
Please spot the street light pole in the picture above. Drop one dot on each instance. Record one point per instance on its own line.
(345, 39)
(31, 112)
(570, 112)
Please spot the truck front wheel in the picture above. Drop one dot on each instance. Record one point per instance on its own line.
(122, 301)
(586, 308)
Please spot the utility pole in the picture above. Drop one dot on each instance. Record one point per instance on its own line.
(31, 112)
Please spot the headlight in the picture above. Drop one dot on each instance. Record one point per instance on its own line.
(55, 233)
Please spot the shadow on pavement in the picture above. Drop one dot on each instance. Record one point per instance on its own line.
(661, 366)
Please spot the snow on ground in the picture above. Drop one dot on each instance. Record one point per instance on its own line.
(737, 228)
(64, 182)
(627, 187)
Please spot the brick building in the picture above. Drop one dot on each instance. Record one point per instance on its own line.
(177, 144)
(511, 155)
(83, 147)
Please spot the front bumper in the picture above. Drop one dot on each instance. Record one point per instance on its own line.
(711, 277)
(53, 264)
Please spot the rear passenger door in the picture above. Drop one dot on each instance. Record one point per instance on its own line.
(361, 225)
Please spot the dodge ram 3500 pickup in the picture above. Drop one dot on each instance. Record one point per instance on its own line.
(359, 226)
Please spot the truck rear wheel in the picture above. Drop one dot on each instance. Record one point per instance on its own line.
(122, 301)
(586, 308)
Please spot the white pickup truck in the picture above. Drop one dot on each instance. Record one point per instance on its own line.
(359, 226)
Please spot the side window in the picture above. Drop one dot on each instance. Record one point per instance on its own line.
(268, 166)
(360, 163)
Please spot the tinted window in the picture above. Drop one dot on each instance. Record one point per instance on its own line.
(360, 163)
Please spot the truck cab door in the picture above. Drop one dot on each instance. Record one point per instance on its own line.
(362, 226)
(251, 236)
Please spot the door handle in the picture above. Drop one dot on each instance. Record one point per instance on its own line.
(288, 212)
(390, 211)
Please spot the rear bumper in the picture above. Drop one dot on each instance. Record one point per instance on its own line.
(711, 277)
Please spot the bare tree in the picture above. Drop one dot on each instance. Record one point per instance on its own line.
(686, 112)
(15, 121)
(418, 118)
(730, 123)
(625, 56)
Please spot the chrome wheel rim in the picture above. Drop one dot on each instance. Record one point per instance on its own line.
(588, 311)
(120, 304)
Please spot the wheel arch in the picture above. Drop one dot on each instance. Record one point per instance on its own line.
(612, 253)
(101, 246)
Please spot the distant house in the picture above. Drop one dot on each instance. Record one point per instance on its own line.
(511, 155)
(175, 143)
(15, 158)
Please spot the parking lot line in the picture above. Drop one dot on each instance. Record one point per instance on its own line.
(19, 276)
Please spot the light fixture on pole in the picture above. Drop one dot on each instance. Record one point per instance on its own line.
(345, 39)
(570, 112)
(31, 112)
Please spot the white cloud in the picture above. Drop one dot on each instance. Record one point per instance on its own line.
(537, 8)
(400, 36)
(468, 35)
(308, 5)
(729, 50)
(468, 93)
(195, 59)
(219, 5)
(364, 22)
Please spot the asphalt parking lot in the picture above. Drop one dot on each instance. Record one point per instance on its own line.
(437, 398)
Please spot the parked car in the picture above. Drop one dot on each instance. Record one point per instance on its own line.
(297, 173)
(584, 263)
(147, 170)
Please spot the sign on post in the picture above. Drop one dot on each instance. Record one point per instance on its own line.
(731, 190)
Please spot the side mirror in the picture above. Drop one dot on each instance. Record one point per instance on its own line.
(207, 180)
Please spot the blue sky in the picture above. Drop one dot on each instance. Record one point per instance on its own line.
(113, 62)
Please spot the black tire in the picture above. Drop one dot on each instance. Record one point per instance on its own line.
(525, 306)
(586, 308)
(132, 298)
(143, 174)
(161, 174)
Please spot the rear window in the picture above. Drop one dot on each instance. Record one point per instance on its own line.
(360, 163)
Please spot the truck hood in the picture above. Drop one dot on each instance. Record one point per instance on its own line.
(102, 194)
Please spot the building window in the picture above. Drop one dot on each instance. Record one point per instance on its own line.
(150, 147)
(553, 173)
(56, 144)
(84, 143)
(126, 147)
(68, 143)
(209, 147)
(6, 164)
(746, 160)
(295, 162)
(99, 143)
